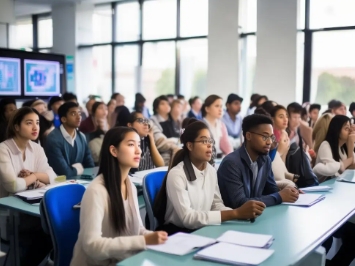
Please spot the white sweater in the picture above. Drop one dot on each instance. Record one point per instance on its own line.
(98, 243)
(325, 165)
(280, 172)
(193, 204)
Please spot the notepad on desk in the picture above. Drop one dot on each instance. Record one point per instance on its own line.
(347, 176)
(306, 200)
(317, 189)
(182, 244)
(137, 177)
(246, 239)
(234, 254)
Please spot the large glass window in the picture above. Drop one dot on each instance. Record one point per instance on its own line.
(127, 21)
(102, 24)
(45, 32)
(158, 69)
(21, 34)
(194, 18)
(193, 68)
(331, 13)
(159, 19)
(127, 71)
(333, 67)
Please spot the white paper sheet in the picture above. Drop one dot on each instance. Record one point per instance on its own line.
(316, 189)
(246, 239)
(142, 174)
(347, 176)
(307, 200)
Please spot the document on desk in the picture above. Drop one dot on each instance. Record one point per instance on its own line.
(137, 177)
(234, 254)
(307, 200)
(317, 189)
(347, 176)
(246, 239)
(182, 244)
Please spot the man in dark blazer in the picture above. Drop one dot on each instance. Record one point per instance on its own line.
(196, 105)
(246, 173)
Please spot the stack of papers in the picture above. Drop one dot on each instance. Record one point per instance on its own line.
(317, 189)
(182, 244)
(347, 176)
(234, 254)
(246, 239)
(307, 200)
(137, 177)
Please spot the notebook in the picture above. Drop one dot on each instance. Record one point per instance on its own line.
(307, 200)
(182, 244)
(246, 239)
(347, 176)
(234, 254)
(137, 177)
(317, 189)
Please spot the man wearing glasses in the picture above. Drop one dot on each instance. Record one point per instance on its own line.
(246, 173)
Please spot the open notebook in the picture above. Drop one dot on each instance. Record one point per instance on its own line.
(347, 176)
(246, 239)
(137, 177)
(307, 200)
(234, 254)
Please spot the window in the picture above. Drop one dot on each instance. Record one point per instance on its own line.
(158, 69)
(193, 68)
(102, 24)
(247, 65)
(127, 71)
(21, 34)
(45, 32)
(333, 67)
(159, 19)
(194, 18)
(330, 13)
(127, 22)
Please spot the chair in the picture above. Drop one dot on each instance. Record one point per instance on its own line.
(61, 219)
(151, 186)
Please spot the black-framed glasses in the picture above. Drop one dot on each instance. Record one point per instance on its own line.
(206, 141)
(264, 137)
(144, 121)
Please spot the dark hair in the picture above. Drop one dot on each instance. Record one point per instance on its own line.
(53, 100)
(304, 112)
(256, 101)
(267, 106)
(252, 121)
(133, 117)
(294, 108)
(95, 106)
(28, 103)
(157, 101)
(331, 103)
(336, 104)
(17, 118)
(333, 134)
(44, 125)
(123, 114)
(193, 100)
(314, 106)
(68, 96)
(208, 102)
(139, 99)
(277, 108)
(190, 134)
(3, 104)
(180, 97)
(261, 111)
(114, 95)
(64, 109)
(170, 95)
(253, 97)
(110, 170)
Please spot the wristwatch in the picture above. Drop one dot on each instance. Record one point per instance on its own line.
(295, 178)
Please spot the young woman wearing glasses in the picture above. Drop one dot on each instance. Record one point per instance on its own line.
(189, 197)
(150, 157)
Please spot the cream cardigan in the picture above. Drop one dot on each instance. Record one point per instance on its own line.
(98, 243)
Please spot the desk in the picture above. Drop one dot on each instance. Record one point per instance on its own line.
(298, 231)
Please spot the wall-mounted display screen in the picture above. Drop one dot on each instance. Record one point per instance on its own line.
(10, 76)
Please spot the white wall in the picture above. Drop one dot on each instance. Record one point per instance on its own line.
(3, 35)
(7, 11)
(223, 48)
(276, 50)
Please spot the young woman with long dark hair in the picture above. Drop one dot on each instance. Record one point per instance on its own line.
(110, 225)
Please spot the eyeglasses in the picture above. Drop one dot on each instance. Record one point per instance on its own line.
(265, 138)
(75, 113)
(144, 121)
(206, 141)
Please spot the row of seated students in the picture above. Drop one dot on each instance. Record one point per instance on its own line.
(247, 187)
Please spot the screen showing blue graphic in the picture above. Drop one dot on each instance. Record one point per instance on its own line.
(10, 76)
(42, 78)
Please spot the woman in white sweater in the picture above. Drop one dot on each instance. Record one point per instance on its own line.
(189, 197)
(336, 153)
(110, 225)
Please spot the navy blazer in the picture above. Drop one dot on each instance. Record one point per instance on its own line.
(235, 180)
(191, 114)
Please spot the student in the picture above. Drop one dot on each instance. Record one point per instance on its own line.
(39, 105)
(336, 153)
(54, 103)
(139, 105)
(246, 173)
(7, 108)
(170, 97)
(352, 109)
(320, 130)
(90, 123)
(337, 107)
(119, 98)
(279, 117)
(195, 111)
(172, 126)
(66, 147)
(212, 113)
(185, 106)
(110, 225)
(313, 114)
(189, 197)
(161, 110)
(23, 165)
(111, 106)
(150, 157)
(71, 97)
(231, 118)
(252, 105)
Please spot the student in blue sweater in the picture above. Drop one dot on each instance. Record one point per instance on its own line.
(66, 148)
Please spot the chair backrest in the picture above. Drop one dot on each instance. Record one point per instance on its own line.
(63, 219)
(151, 186)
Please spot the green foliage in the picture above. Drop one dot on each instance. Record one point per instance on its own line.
(199, 83)
(166, 83)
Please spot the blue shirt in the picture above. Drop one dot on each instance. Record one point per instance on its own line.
(233, 127)
(56, 121)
